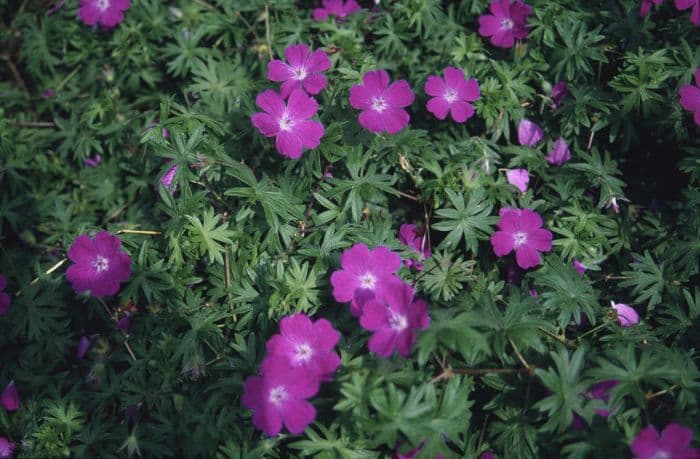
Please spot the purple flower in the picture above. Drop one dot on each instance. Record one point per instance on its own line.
(695, 13)
(395, 322)
(279, 396)
(416, 239)
(7, 448)
(560, 154)
(690, 97)
(83, 346)
(165, 133)
(559, 92)
(645, 7)
(124, 324)
(99, 264)
(48, 93)
(108, 13)
(487, 455)
(410, 454)
(626, 315)
(10, 398)
(506, 23)
(519, 178)
(578, 266)
(529, 133)
(534, 293)
(452, 95)
(381, 104)
(303, 70)
(93, 161)
(307, 344)
(673, 443)
(521, 230)
(288, 122)
(601, 391)
(167, 178)
(5, 299)
(364, 275)
(338, 8)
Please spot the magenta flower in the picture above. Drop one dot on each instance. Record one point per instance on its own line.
(167, 178)
(506, 23)
(673, 443)
(521, 230)
(5, 299)
(124, 323)
(365, 275)
(83, 346)
(107, 13)
(690, 97)
(338, 8)
(93, 161)
(529, 133)
(601, 391)
(578, 266)
(487, 455)
(288, 122)
(382, 104)
(519, 178)
(452, 95)
(10, 398)
(416, 239)
(99, 264)
(626, 315)
(559, 92)
(303, 70)
(695, 12)
(395, 322)
(645, 7)
(7, 448)
(278, 396)
(306, 344)
(48, 93)
(559, 154)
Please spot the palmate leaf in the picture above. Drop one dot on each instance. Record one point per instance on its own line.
(210, 236)
(647, 280)
(470, 220)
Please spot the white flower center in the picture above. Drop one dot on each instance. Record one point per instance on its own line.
(368, 281)
(100, 263)
(303, 352)
(102, 4)
(299, 73)
(277, 395)
(507, 24)
(398, 322)
(519, 238)
(450, 95)
(285, 123)
(378, 104)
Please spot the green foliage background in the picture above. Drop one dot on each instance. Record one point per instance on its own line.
(250, 237)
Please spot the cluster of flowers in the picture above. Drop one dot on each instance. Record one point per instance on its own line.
(9, 399)
(298, 359)
(384, 303)
(681, 5)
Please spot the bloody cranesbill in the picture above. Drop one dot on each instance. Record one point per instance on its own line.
(99, 265)
(673, 443)
(302, 70)
(452, 95)
(626, 315)
(529, 133)
(645, 7)
(382, 104)
(521, 230)
(5, 299)
(695, 11)
(288, 122)
(338, 8)
(559, 154)
(307, 344)
(416, 239)
(519, 178)
(395, 321)
(559, 92)
(279, 396)
(690, 97)
(506, 23)
(7, 448)
(364, 275)
(9, 399)
(107, 13)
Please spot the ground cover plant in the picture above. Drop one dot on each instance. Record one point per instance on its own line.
(332, 228)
